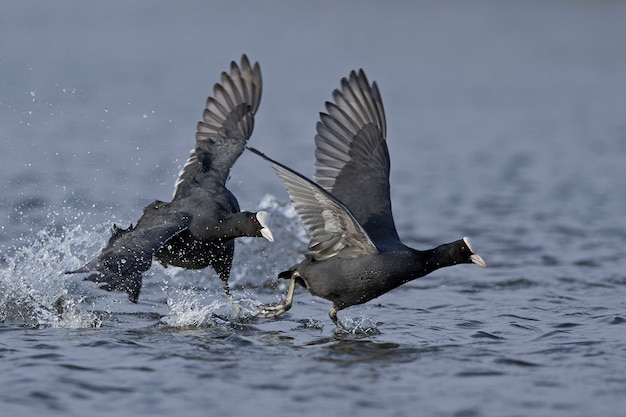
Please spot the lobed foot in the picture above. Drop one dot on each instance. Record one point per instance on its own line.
(273, 310)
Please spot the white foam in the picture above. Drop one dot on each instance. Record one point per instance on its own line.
(33, 289)
(35, 292)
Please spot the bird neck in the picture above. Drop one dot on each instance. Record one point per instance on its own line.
(440, 257)
(234, 225)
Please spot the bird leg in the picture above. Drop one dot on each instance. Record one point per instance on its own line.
(226, 289)
(275, 310)
(333, 316)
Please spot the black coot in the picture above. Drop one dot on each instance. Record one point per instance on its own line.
(197, 228)
(354, 252)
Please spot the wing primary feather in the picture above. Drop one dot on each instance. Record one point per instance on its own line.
(351, 149)
(333, 230)
(227, 124)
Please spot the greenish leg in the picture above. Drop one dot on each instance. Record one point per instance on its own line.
(333, 316)
(275, 310)
(226, 289)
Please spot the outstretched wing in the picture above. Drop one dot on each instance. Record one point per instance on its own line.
(332, 229)
(129, 253)
(228, 121)
(352, 159)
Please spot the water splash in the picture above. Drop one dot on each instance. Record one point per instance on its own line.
(358, 327)
(256, 264)
(190, 309)
(256, 257)
(33, 289)
(34, 292)
(195, 308)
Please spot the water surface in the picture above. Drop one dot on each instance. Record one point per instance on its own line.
(506, 123)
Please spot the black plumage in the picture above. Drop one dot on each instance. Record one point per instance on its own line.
(197, 228)
(354, 253)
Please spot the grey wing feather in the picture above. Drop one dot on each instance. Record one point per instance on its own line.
(352, 159)
(332, 229)
(131, 251)
(228, 121)
(119, 265)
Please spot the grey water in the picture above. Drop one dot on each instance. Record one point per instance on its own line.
(506, 123)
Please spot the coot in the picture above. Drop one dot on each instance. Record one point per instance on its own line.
(354, 253)
(197, 228)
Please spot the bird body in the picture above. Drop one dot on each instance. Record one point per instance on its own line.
(198, 227)
(354, 253)
(357, 280)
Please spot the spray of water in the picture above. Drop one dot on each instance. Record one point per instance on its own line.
(256, 264)
(34, 292)
(33, 288)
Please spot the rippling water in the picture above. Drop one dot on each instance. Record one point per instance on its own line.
(507, 123)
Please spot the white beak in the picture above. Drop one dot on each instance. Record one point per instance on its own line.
(477, 259)
(262, 217)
